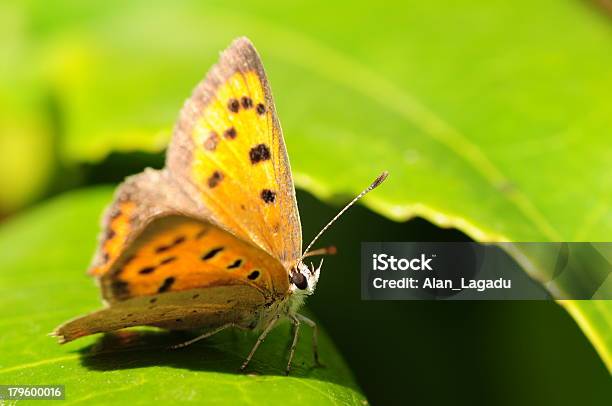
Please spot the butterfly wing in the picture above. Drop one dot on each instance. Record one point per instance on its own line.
(208, 307)
(154, 241)
(159, 263)
(139, 200)
(176, 253)
(228, 153)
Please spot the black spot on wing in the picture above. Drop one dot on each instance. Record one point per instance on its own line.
(254, 275)
(233, 105)
(178, 240)
(147, 270)
(236, 264)
(215, 179)
(168, 261)
(168, 282)
(212, 253)
(261, 109)
(230, 133)
(247, 102)
(268, 196)
(259, 153)
(162, 248)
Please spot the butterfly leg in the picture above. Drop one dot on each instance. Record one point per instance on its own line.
(296, 332)
(260, 340)
(206, 335)
(315, 334)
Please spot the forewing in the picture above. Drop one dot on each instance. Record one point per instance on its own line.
(228, 153)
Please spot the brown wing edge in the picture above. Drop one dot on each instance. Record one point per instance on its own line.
(153, 193)
(240, 56)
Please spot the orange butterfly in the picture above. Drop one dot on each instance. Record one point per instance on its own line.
(214, 239)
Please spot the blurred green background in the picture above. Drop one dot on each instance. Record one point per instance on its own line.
(493, 118)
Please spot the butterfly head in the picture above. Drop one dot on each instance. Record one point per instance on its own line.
(304, 279)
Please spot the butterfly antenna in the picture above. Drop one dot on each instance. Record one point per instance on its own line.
(332, 250)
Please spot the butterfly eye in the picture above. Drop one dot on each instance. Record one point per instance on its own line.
(299, 280)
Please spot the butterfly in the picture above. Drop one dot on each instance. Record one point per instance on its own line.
(213, 240)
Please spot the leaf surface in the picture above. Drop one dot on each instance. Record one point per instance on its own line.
(42, 283)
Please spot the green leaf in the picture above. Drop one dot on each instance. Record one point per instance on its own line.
(42, 283)
(26, 156)
(26, 141)
(492, 117)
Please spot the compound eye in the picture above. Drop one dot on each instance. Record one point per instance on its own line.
(299, 280)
